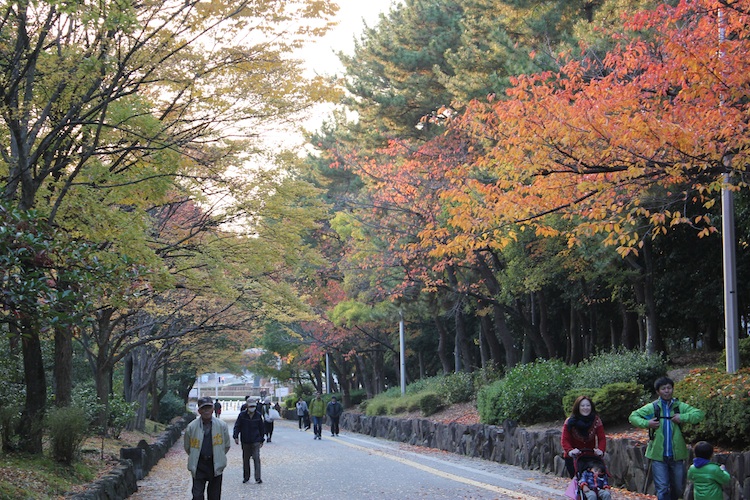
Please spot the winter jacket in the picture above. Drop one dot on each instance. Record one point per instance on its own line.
(301, 408)
(193, 441)
(656, 446)
(317, 408)
(249, 427)
(707, 478)
(334, 409)
(572, 438)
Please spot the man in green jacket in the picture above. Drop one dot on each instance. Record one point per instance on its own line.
(317, 412)
(666, 447)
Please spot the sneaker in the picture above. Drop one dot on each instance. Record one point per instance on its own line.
(258, 481)
(332, 434)
(245, 480)
(268, 440)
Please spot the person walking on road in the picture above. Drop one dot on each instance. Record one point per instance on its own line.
(271, 416)
(317, 412)
(334, 411)
(206, 442)
(301, 412)
(249, 428)
(666, 447)
(217, 409)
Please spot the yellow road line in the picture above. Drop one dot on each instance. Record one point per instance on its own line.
(446, 475)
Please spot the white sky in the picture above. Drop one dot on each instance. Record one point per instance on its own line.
(351, 16)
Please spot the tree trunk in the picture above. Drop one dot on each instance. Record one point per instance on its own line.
(63, 366)
(462, 338)
(496, 354)
(364, 376)
(501, 329)
(549, 342)
(442, 345)
(32, 417)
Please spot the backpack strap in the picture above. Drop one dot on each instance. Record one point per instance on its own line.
(657, 415)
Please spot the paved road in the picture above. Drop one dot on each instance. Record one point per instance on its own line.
(353, 466)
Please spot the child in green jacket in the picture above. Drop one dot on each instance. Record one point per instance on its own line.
(707, 477)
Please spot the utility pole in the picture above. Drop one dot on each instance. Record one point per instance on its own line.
(731, 323)
(402, 349)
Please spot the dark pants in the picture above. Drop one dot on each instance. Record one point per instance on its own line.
(570, 465)
(250, 451)
(335, 425)
(205, 474)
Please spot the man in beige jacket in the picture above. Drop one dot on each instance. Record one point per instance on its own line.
(207, 443)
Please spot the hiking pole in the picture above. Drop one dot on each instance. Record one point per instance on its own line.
(647, 476)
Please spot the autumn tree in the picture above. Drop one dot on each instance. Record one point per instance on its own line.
(92, 92)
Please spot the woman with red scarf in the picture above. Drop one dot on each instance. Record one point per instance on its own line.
(583, 430)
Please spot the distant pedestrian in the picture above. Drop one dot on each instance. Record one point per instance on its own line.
(334, 411)
(217, 409)
(249, 427)
(206, 442)
(271, 416)
(708, 478)
(277, 407)
(317, 412)
(301, 413)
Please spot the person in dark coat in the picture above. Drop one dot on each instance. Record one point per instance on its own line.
(334, 411)
(249, 428)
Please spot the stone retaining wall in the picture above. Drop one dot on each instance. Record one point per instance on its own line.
(135, 464)
(537, 450)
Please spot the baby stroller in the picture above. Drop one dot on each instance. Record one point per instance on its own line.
(588, 461)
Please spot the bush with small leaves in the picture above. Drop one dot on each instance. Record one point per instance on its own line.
(614, 402)
(430, 403)
(456, 388)
(620, 365)
(67, 429)
(170, 406)
(376, 407)
(725, 398)
(120, 414)
(528, 394)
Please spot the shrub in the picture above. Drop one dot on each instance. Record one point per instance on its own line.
(120, 414)
(430, 403)
(620, 365)
(170, 406)
(67, 429)
(455, 388)
(745, 352)
(428, 384)
(84, 397)
(376, 407)
(485, 376)
(9, 417)
(725, 400)
(529, 393)
(615, 402)
(358, 396)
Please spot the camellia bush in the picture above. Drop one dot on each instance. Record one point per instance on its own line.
(620, 365)
(528, 394)
(725, 397)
